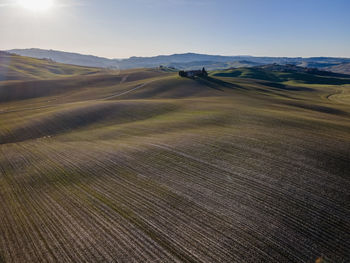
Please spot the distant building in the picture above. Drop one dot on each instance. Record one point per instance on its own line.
(194, 73)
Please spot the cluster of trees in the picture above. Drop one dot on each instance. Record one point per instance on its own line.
(182, 73)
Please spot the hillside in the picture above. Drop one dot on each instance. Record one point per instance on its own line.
(278, 73)
(343, 68)
(14, 67)
(247, 165)
(180, 61)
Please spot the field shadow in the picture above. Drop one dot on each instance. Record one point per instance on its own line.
(69, 120)
(281, 86)
(217, 84)
(317, 79)
(318, 108)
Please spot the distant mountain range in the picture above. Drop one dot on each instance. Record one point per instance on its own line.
(186, 61)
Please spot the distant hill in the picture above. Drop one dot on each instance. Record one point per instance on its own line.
(15, 67)
(283, 73)
(65, 57)
(213, 65)
(341, 68)
(289, 68)
(180, 61)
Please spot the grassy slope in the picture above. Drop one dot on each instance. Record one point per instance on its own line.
(14, 67)
(149, 166)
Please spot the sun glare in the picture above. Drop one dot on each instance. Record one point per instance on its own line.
(36, 5)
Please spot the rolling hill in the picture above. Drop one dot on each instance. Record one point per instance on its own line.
(246, 165)
(285, 73)
(14, 67)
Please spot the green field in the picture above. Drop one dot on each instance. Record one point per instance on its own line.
(145, 166)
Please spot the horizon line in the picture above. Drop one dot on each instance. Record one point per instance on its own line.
(171, 54)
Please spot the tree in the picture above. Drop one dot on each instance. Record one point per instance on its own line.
(204, 72)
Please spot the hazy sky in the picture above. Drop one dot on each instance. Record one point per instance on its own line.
(123, 28)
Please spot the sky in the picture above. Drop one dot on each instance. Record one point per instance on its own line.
(120, 28)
